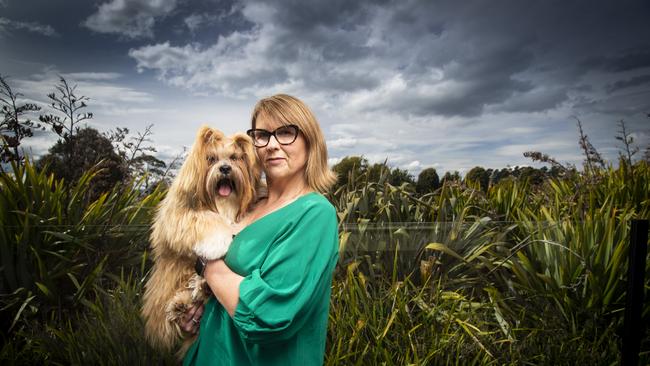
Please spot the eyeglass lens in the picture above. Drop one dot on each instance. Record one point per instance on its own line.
(285, 135)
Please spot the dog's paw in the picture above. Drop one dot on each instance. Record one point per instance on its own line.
(214, 246)
(175, 311)
(198, 285)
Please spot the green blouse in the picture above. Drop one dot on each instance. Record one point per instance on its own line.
(287, 259)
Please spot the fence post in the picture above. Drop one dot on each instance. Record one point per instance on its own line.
(632, 327)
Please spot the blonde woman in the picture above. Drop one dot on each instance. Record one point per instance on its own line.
(272, 289)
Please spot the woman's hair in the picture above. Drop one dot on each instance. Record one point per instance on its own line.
(289, 110)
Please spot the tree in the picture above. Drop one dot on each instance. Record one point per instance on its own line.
(14, 127)
(70, 159)
(478, 175)
(592, 156)
(629, 149)
(557, 169)
(399, 176)
(531, 175)
(378, 172)
(450, 177)
(69, 104)
(137, 159)
(428, 181)
(349, 166)
(498, 175)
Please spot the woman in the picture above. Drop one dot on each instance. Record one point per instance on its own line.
(272, 289)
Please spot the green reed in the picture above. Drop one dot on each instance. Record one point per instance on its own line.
(517, 274)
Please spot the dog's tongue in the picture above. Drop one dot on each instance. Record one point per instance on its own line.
(224, 189)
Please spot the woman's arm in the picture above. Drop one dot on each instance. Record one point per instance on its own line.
(224, 284)
(279, 298)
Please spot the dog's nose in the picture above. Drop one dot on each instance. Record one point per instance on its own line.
(225, 169)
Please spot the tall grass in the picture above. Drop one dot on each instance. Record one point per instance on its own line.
(517, 274)
(59, 249)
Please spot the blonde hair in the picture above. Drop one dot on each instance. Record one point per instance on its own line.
(286, 110)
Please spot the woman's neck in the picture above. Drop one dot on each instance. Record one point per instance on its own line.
(286, 192)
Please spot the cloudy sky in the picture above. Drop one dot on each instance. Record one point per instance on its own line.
(444, 84)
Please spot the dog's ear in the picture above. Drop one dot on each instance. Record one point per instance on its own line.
(207, 135)
(191, 177)
(245, 144)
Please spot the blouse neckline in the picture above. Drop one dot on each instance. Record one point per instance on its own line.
(273, 212)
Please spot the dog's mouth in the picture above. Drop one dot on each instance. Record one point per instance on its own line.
(225, 187)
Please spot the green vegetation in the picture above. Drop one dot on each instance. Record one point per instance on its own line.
(511, 266)
(517, 274)
(456, 276)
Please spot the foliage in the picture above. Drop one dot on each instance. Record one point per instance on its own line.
(72, 158)
(107, 332)
(478, 175)
(593, 160)
(58, 247)
(137, 159)
(400, 176)
(349, 168)
(14, 127)
(69, 105)
(450, 177)
(549, 263)
(518, 272)
(428, 181)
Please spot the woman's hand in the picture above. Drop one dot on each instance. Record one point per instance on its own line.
(190, 321)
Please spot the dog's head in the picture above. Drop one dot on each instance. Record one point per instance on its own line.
(221, 170)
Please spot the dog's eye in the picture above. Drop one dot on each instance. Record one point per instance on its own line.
(234, 157)
(211, 159)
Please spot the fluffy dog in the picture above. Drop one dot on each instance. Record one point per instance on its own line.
(214, 188)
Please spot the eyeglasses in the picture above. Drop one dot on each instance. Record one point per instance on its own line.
(284, 135)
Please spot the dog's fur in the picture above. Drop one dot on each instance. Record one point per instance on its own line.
(194, 220)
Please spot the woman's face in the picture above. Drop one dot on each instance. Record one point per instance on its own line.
(281, 162)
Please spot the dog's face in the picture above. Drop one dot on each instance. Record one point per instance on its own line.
(221, 170)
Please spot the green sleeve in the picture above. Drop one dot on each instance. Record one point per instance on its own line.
(275, 300)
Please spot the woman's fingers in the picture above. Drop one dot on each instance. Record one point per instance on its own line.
(191, 319)
(198, 313)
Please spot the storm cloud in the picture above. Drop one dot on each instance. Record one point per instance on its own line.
(129, 18)
(413, 58)
(437, 83)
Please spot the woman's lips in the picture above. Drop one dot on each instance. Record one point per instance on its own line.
(274, 161)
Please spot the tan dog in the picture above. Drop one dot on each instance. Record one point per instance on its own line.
(215, 186)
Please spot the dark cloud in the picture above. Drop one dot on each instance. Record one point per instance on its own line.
(131, 19)
(628, 83)
(629, 60)
(7, 25)
(422, 58)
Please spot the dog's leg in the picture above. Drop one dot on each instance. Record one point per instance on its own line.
(195, 292)
(178, 306)
(214, 246)
(199, 287)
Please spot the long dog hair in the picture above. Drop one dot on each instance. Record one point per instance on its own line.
(215, 187)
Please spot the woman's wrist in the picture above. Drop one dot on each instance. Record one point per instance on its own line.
(224, 283)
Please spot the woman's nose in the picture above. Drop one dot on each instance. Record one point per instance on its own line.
(273, 142)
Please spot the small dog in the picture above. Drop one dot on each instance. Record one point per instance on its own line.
(214, 188)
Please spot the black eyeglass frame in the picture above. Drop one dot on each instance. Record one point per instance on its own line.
(252, 131)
